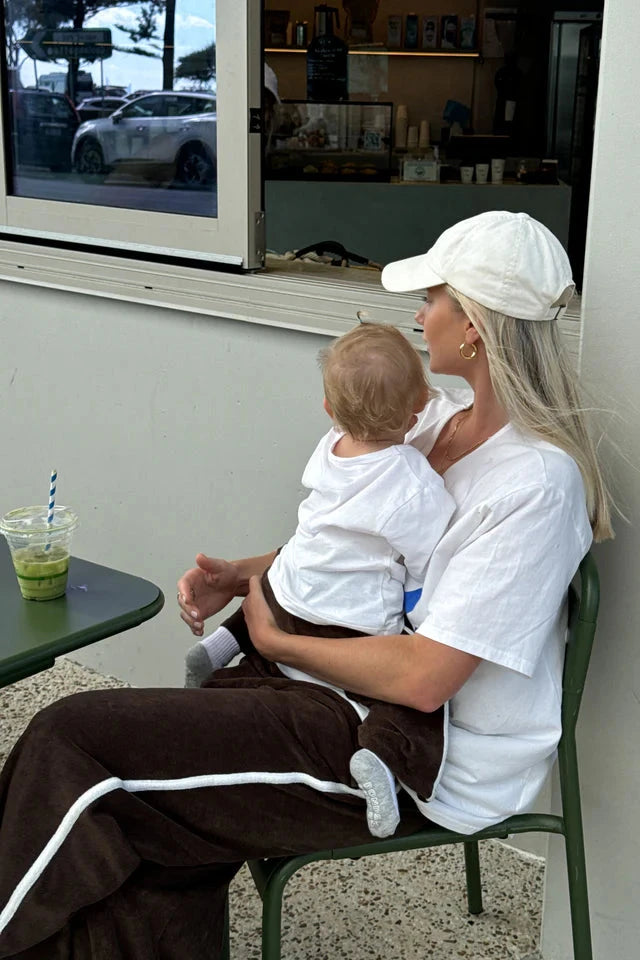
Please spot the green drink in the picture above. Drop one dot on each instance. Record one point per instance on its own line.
(40, 549)
(42, 574)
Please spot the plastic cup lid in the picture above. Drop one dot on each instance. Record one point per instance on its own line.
(27, 521)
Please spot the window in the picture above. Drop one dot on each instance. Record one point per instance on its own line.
(117, 131)
(492, 108)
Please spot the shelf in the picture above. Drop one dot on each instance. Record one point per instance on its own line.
(465, 54)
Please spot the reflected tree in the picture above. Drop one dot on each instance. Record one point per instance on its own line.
(198, 66)
(19, 18)
(147, 40)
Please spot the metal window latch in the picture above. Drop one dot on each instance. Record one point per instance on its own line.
(255, 120)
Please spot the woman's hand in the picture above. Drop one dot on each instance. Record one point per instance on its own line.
(263, 630)
(205, 590)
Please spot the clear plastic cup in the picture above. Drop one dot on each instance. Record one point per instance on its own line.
(39, 550)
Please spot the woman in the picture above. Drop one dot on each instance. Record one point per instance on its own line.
(178, 787)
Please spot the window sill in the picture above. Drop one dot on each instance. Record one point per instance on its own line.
(314, 298)
(292, 295)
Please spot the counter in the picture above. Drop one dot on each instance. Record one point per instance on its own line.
(388, 221)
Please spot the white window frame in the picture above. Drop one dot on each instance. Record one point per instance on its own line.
(236, 236)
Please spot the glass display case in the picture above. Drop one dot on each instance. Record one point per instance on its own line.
(311, 140)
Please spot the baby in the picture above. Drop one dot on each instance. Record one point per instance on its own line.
(358, 558)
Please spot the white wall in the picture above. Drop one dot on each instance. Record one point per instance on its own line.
(609, 728)
(172, 433)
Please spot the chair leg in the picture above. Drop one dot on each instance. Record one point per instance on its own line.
(272, 917)
(578, 892)
(474, 885)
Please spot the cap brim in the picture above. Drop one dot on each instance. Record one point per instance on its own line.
(403, 276)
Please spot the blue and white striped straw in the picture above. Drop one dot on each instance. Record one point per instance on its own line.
(52, 500)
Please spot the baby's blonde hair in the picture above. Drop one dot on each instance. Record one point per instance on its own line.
(374, 380)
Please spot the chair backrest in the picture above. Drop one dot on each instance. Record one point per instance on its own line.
(583, 613)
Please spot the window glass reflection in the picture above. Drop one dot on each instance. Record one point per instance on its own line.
(113, 104)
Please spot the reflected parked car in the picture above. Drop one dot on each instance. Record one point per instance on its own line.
(111, 91)
(95, 107)
(139, 93)
(169, 131)
(43, 126)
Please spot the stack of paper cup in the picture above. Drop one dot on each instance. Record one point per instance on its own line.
(497, 170)
(412, 138)
(423, 137)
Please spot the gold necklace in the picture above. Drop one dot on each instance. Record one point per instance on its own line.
(446, 459)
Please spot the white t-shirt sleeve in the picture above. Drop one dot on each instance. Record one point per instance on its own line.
(417, 525)
(504, 586)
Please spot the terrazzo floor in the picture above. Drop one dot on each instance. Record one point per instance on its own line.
(404, 906)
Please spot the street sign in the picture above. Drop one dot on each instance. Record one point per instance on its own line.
(89, 44)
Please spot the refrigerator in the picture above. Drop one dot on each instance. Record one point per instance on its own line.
(574, 60)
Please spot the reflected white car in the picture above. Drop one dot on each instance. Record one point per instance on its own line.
(171, 131)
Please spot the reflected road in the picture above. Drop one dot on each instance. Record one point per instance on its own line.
(118, 190)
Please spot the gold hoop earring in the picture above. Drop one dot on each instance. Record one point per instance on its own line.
(468, 356)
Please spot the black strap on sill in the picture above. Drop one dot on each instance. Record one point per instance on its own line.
(335, 249)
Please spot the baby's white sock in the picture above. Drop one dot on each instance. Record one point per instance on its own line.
(209, 654)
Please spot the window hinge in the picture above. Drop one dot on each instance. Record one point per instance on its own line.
(260, 237)
(255, 120)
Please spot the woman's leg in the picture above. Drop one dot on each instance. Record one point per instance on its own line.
(117, 835)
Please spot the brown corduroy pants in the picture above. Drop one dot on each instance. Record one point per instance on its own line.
(125, 813)
(410, 742)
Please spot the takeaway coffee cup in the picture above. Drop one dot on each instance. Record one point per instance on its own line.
(40, 550)
(497, 170)
(466, 174)
(482, 172)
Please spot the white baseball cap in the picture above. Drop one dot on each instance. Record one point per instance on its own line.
(508, 262)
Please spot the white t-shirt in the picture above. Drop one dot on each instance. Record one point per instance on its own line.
(496, 587)
(369, 523)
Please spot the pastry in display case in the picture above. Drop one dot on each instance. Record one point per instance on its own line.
(346, 140)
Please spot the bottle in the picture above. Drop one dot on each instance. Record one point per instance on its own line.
(301, 33)
(411, 32)
(326, 58)
(508, 81)
(402, 125)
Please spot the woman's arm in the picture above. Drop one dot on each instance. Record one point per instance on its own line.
(409, 669)
(213, 583)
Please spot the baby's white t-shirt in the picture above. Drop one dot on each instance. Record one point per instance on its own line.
(368, 522)
(496, 587)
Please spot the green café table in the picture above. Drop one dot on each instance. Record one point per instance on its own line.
(99, 603)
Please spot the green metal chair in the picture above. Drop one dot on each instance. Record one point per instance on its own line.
(271, 876)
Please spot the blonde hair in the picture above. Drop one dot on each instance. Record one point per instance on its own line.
(373, 381)
(535, 383)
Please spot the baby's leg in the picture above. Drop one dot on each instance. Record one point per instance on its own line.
(231, 638)
(379, 787)
(397, 742)
(217, 650)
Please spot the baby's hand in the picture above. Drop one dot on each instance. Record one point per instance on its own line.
(205, 590)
